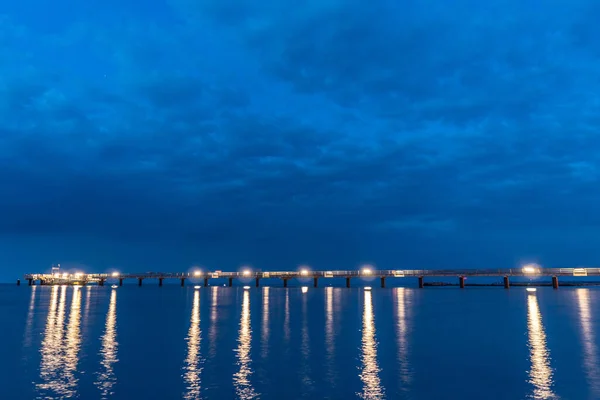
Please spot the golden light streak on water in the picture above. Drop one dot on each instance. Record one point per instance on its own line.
(369, 375)
(108, 353)
(193, 361)
(403, 303)
(73, 341)
(590, 356)
(241, 379)
(265, 323)
(540, 373)
(59, 352)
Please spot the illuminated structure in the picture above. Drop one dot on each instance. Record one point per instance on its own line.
(530, 271)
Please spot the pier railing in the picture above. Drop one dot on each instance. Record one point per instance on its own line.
(528, 271)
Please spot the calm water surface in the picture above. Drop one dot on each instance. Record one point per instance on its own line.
(275, 343)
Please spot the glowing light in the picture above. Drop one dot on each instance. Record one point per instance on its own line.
(304, 289)
(65, 275)
(78, 275)
(367, 271)
(114, 286)
(367, 287)
(530, 269)
(196, 287)
(197, 273)
(246, 287)
(304, 271)
(115, 274)
(246, 272)
(109, 351)
(531, 289)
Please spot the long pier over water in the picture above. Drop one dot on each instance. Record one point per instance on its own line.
(531, 271)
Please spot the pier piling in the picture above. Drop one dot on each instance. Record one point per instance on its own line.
(18, 282)
(230, 282)
(506, 283)
(182, 282)
(555, 282)
(284, 282)
(461, 280)
(257, 282)
(101, 282)
(205, 281)
(315, 282)
(383, 281)
(420, 282)
(160, 282)
(347, 281)
(30, 281)
(120, 281)
(140, 281)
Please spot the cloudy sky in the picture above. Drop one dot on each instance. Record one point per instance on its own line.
(428, 134)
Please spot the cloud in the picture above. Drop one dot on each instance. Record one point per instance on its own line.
(335, 133)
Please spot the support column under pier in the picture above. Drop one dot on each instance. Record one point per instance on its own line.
(284, 282)
(420, 282)
(120, 281)
(140, 281)
(160, 281)
(257, 283)
(315, 282)
(101, 282)
(18, 282)
(347, 281)
(205, 282)
(555, 282)
(506, 283)
(30, 282)
(182, 282)
(230, 282)
(461, 281)
(383, 281)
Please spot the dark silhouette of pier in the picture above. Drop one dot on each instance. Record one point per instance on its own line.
(530, 271)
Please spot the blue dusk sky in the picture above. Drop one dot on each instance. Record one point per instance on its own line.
(159, 135)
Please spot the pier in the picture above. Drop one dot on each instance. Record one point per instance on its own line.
(530, 271)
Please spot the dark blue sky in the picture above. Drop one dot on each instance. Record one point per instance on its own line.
(159, 135)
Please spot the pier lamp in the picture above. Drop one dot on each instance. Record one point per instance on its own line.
(530, 269)
(246, 272)
(304, 271)
(197, 273)
(78, 275)
(65, 275)
(367, 271)
(115, 274)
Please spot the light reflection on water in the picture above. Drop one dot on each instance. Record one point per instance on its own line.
(193, 361)
(265, 323)
(403, 304)
(369, 375)
(540, 373)
(106, 377)
(388, 361)
(60, 349)
(590, 355)
(241, 379)
(329, 336)
(29, 323)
